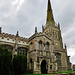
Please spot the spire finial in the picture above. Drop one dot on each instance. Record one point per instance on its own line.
(58, 25)
(35, 30)
(42, 28)
(17, 34)
(50, 17)
(65, 46)
(0, 30)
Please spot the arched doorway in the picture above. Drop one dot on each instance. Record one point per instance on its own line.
(44, 67)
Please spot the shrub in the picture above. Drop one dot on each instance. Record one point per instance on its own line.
(19, 64)
(5, 62)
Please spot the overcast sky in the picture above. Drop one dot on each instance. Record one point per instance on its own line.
(25, 15)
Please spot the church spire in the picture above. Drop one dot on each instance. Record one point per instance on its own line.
(50, 17)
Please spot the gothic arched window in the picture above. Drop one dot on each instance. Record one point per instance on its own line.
(47, 46)
(58, 59)
(55, 35)
(40, 44)
(22, 50)
(9, 47)
(31, 46)
(31, 64)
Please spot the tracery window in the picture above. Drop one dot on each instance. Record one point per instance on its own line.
(55, 35)
(31, 64)
(47, 46)
(31, 46)
(40, 44)
(58, 59)
(22, 50)
(9, 47)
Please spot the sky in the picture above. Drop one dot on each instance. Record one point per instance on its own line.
(25, 15)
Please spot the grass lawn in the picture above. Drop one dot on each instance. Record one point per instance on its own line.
(53, 74)
(67, 72)
(39, 74)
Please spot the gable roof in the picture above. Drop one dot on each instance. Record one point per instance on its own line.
(38, 35)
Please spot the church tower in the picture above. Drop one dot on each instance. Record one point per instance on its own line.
(52, 29)
(46, 53)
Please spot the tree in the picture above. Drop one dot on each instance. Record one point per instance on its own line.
(19, 64)
(5, 61)
(9, 67)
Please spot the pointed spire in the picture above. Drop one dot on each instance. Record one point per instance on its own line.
(50, 17)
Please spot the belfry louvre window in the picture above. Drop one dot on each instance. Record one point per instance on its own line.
(55, 35)
(47, 46)
(40, 44)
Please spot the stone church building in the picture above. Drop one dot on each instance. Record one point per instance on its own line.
(44, 50)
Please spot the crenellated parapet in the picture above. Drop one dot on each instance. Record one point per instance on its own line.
(14, 42)
(13, 37)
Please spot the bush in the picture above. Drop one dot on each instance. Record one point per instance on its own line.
(8, 67)
(5, 62)
(19, 64)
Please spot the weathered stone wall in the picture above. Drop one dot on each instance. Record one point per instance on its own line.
(16, 43)
(38, 55)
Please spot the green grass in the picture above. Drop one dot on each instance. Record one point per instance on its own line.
(67, 72)
(39, 74)
(53, 74)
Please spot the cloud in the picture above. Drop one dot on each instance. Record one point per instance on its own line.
(25, 15)
(14, 2)
(18, 3)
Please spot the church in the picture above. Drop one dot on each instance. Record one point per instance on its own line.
(44, 50)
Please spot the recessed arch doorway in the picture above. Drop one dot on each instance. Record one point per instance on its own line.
(43, 67)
